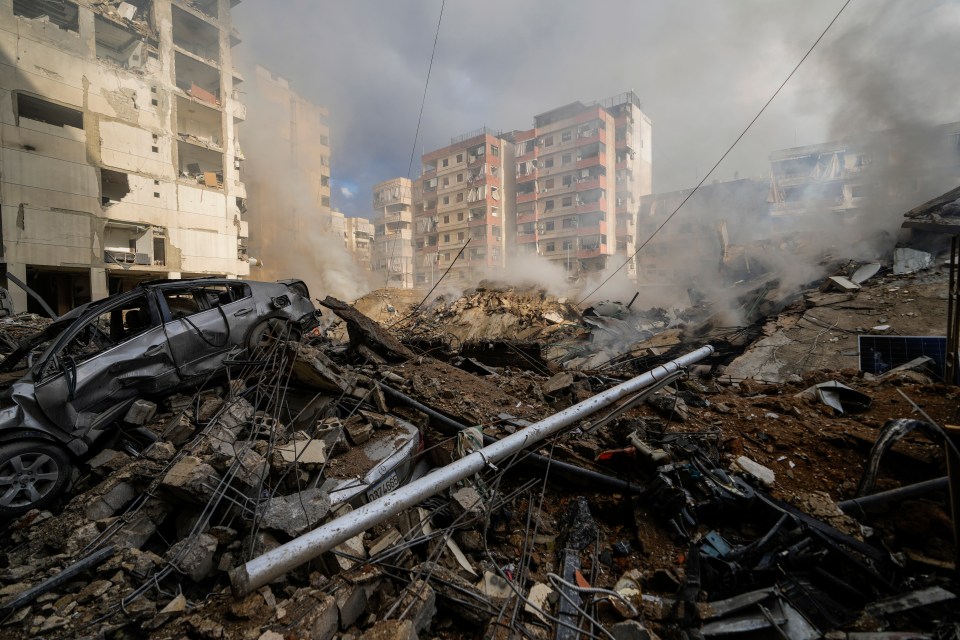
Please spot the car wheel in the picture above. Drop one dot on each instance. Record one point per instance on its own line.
(266, 332)
(33, 474)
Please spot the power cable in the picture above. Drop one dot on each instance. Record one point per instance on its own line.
(723, 157)
(426, 84)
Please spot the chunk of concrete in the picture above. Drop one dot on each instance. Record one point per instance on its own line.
(466, 502)
(538, 601)
(763, 474)
(192, 479)
(359, 431)
(558, 383)
(251, 468)
(297, 513)
(389, 538)
(135, 533)
(140, 412)
(420, 602)
(179, 430)
(304, 451)
(391, 630)
(110, 502)
(632, 630)
(194, 556)
(910, 260)
(343, 553)
(842, 284)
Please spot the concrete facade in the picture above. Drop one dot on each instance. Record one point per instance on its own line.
(393, 243)
(120, 160)
(466, 194)
(580, 174)
(360, 239)
(864, 172)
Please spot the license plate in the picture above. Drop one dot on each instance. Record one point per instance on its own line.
(386, 485)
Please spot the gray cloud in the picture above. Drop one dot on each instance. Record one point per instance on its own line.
(701, 68)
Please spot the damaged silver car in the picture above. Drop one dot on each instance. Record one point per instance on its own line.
(87, 368)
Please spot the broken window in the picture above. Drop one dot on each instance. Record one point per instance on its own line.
(195, 36)
(41, 110)
(197, 163)
(197, 79)
(118, 45)
(62, 13)
(186, 302)
(198, 124)
(114, 185)
(108, 329)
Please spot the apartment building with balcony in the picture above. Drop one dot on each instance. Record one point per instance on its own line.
(862, 172)
(120, 159)
(360, 240)
(580, 173)
(464, 200)
(392, 259)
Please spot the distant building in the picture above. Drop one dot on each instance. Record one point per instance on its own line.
(895, 168)
(580, 173)
(120, 158)
(692, 245)
(289, 185)
(393, 243)
(465, 195)
(360, 238)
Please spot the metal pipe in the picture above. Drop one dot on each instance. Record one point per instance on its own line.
(565, 469)
(26, 597)
(276, 562)
(866, 503)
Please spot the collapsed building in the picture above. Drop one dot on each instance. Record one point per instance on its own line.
(492, 464)
(120, 151)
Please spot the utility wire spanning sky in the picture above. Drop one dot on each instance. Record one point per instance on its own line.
(701, 69)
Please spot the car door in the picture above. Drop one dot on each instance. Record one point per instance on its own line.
(205, 321)
(113, 354)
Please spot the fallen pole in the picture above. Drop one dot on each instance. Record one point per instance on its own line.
(26, 597)
(276, 562)
(534, 460)
(875, 500)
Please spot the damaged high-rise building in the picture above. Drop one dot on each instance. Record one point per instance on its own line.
(120, 156)
(393, 243)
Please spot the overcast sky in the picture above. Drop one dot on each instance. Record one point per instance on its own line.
(702, 69)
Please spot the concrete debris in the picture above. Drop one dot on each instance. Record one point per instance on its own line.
(907, 261)
(720, 486)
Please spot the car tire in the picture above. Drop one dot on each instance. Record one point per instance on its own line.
(265, 331)
(33, 475)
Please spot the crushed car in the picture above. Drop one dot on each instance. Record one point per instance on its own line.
(89, 366)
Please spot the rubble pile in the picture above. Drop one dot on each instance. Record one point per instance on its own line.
(705, 504)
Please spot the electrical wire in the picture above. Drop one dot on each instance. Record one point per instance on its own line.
(723, 157)
(426, 84)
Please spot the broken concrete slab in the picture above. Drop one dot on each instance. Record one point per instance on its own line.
(140, 412)
(840, 283)
(314, 368)
(191, 478)
(763, 474)
(297, 513)
(304, 451)
(558, 383)
(366, 333)
(906, 260)
(193, 556)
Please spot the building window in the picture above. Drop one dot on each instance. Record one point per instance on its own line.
(446, 162)
(495, 151)
(567, 181)
(551, 247)
(566, 136)
(446, 237)
(460, 236)
(548, 205)
(548, 141)
(61, 13)
(460, 197)
(548, 163)
(549, 225)
(446, 219)
(548, 184)
(446, 199)
(459, 177)
(446, 181)
(33, 108)
(459, 157)
(566, 158)
(325, 201)
(460, 215)
(567, 245)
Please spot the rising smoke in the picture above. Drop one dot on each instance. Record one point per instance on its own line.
(292, 231)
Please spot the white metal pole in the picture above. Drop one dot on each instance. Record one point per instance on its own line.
(276, 562)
